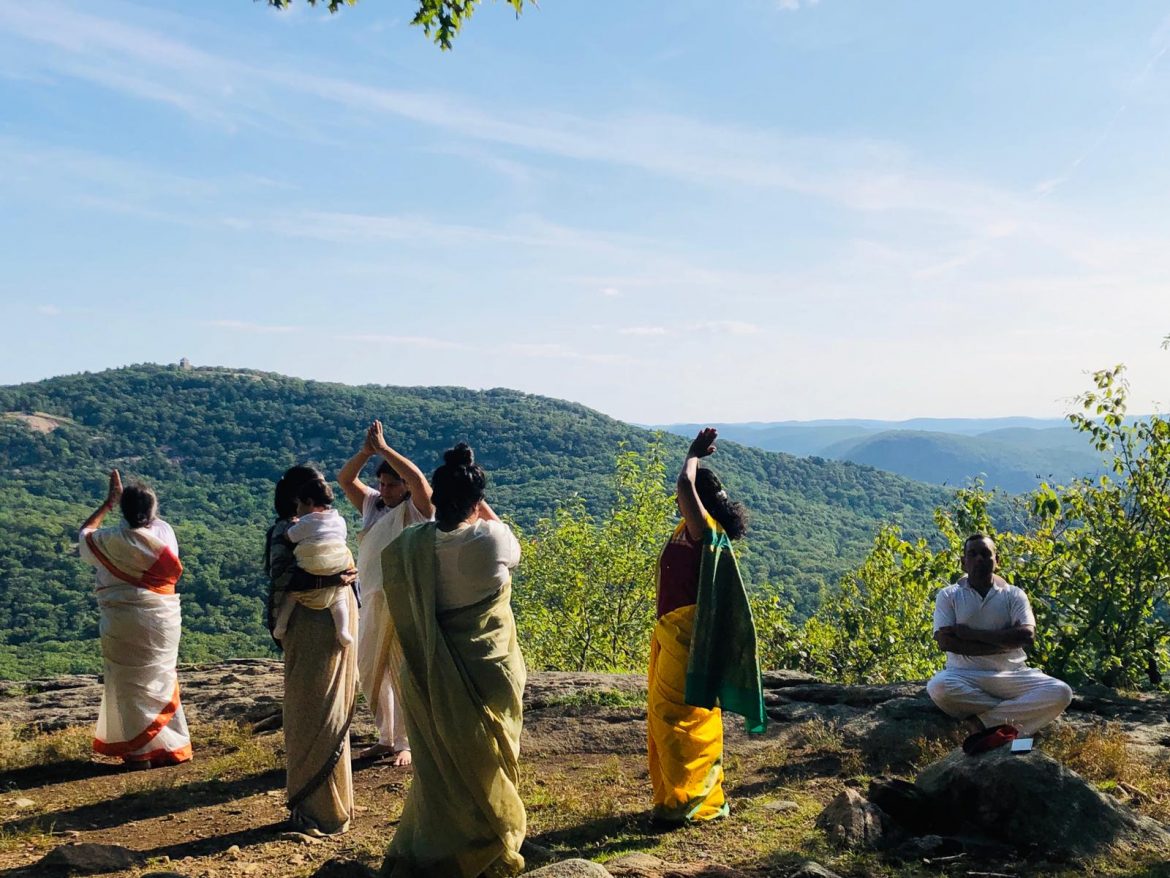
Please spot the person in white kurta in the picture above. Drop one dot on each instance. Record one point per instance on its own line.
(983, 625)
(141, 718)
(403, 498)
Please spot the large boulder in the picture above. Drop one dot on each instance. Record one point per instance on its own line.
(89, 859)
(1035, 804)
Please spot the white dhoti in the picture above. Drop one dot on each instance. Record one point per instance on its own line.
(1025, 698)
(373, 624)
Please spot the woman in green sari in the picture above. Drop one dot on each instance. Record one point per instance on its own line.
(456, 666)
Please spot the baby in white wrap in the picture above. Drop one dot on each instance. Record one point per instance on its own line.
(319, 545)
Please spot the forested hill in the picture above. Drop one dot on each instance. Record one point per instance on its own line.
(212, 441)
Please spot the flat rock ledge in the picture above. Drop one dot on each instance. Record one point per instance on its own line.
(882, 722)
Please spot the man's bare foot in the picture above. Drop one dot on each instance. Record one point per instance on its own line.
(402, 757)
(973, 724)
(375, 751)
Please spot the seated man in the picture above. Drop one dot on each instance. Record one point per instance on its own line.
(983, 625)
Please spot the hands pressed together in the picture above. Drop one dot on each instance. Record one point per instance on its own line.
(114, 493)
(375, 442)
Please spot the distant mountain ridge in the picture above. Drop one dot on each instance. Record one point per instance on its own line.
(1012, 454)
(212, 441)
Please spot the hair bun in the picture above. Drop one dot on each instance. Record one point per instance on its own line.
(460, 455)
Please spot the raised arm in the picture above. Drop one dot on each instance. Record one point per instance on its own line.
(485, 512)
(349, 476)
(689, 503)
(113, 495)
(416, 482)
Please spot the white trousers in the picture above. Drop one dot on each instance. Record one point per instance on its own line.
(1026, 698)
(374, 673)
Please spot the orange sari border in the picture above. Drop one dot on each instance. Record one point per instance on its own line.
(160, 578)
(124, 748)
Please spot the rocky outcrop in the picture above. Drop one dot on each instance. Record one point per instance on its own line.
(1035, 804)
(603, 713)
(991, 805)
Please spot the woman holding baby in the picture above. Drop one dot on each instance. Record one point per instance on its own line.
(313, 616)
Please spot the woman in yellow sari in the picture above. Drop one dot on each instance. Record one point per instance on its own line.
(703, 655)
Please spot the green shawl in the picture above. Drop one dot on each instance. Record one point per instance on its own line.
(723, 669)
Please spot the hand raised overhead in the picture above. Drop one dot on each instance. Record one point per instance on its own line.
(376, 439)
(703, 444)
(114, 493)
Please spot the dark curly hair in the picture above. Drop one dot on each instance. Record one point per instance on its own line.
(457, 486)
(139, 505)
(384, 469)
(731, 515)
(315, 492)
(284, 499)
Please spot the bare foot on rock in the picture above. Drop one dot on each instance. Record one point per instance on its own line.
(374, 751)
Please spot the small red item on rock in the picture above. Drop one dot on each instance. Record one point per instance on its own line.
(989, 739)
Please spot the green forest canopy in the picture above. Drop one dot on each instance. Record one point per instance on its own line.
(212, 441)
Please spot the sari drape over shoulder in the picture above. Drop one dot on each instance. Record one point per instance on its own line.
(703, 657)
(141, 716)
(460, 678)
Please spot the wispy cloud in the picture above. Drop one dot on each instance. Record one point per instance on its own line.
(728, 327)
(643, 330)
(556, 351)
(409, 341)
(49, 310)
(858, 175)
(253, 328)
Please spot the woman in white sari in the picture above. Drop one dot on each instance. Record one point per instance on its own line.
(141, 718)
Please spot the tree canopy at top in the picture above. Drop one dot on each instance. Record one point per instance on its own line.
(440, 19)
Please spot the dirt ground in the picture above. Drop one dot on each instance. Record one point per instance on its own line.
(585, 786)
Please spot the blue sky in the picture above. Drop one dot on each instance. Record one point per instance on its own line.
(681, 211)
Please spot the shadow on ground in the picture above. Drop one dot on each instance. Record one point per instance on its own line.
(148, 803)
(56, 772)
(609, 836)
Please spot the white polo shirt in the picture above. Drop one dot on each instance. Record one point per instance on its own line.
(1005, 606)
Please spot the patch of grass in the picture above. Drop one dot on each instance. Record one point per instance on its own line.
(1102, 754)
(32, 837)
(238, 753)
(932, 749)
(23, 746)
(599, 698)
(1098, 753)
(817, 735)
